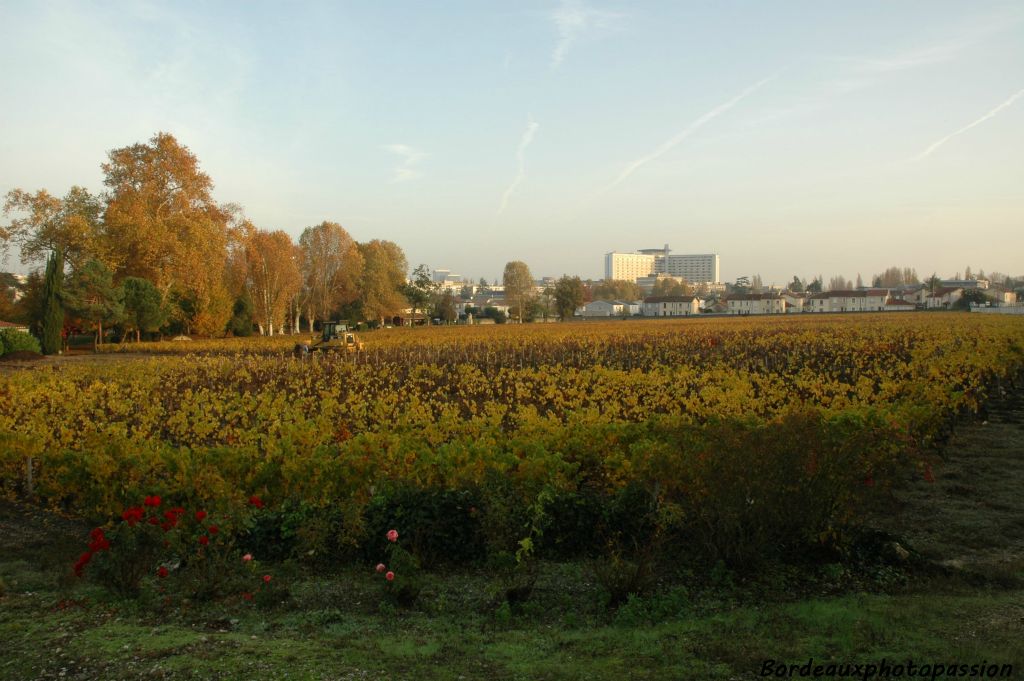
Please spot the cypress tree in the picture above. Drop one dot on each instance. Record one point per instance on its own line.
(53, 310)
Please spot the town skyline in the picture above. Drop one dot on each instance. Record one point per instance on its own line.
(833, 143)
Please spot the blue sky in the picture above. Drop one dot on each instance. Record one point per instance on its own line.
(789, 137)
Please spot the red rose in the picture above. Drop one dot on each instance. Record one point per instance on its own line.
(161, 571)
(82, 561)
(153, 501)
(255, 501)
(204, 540)
(154, 520)
(96, 534)
(266, 579)
(247, 596)
(213, 529)
(200, 515)
(132, 515)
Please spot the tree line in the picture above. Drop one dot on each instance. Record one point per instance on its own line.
(155, 252)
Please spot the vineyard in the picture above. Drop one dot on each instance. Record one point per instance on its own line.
(738, 439)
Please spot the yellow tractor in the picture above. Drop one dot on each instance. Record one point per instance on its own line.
(335, 337)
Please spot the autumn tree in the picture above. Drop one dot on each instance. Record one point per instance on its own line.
(73, 224)
(568, 296)
(669, 287)
(90, 294)
(384, 268)
(617, 289)
(163, 225)
(332, 265)
(273, 277)
(518, 284)
(838, 283)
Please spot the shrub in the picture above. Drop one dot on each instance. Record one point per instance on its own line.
(12, 340)
(439, 526)
(401, 573)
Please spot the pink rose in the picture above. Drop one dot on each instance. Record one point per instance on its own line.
(390, 576)
(381, 567)
(266, 579)
(246, 558)
(392, 535)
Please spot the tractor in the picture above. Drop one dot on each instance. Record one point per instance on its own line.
(335, 337)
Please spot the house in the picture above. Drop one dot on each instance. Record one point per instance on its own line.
(943, 298)
(608, 308)
(13, 326)
(408, 318)
(794, 302)
(1001, 297)
(859, 300)
(756, 303)
(671, 306)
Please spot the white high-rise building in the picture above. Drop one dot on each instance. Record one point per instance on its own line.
(695, 268)
(628, 266)
(698, 269)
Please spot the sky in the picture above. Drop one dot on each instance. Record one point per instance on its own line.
(791, 138)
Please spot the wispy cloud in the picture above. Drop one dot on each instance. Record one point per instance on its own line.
(524, 141)
(572, 20)
(935, 145)
(693, 127)
(406, 169)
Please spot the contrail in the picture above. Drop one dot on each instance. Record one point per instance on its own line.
(531, 128)
(687, 131)
(927, 152)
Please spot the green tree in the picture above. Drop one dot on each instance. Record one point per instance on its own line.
(421, 290)
(144, 309)
(569, 295)
(52, 319)
(444, 308)
(92, 296)
(816, 285)
(241, 323)
(969, 296)
(796, 286)
(518, 283)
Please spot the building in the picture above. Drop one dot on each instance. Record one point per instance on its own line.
(860, 300)
(695, 268)
(943, 298)
(756, 303)
(13, 326)
(964, 283)
(608, 308)
(671, 306)
(628, 266)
